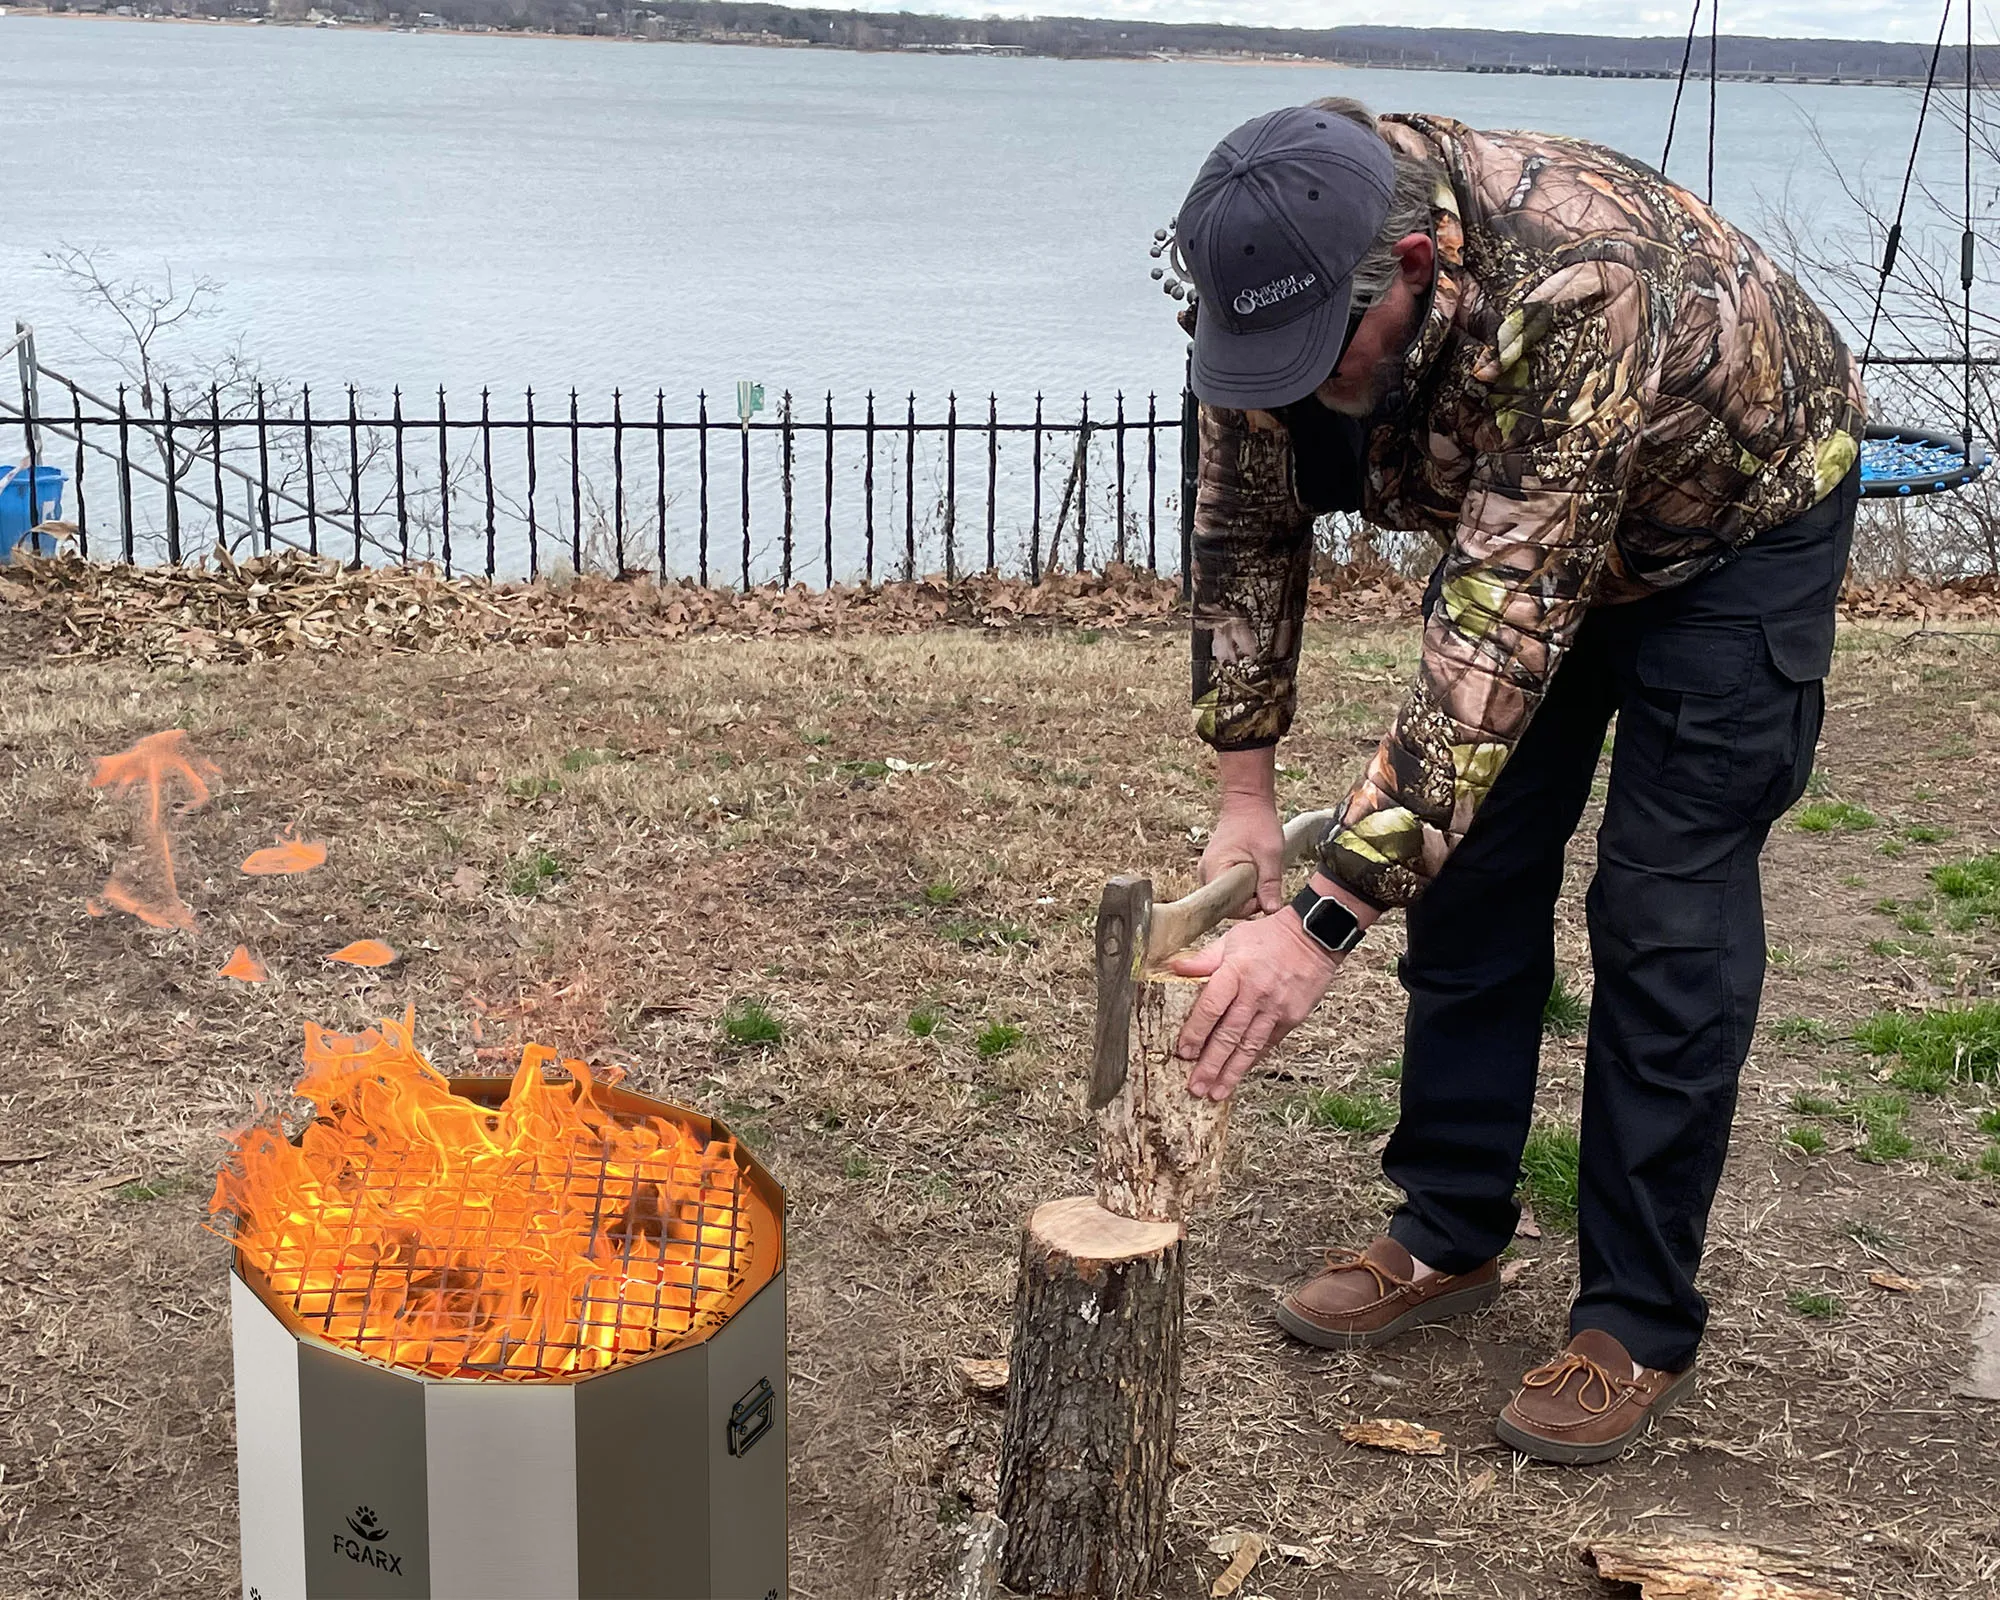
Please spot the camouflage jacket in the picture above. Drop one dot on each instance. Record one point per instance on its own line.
(1610, 390)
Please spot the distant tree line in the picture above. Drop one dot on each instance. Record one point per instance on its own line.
(760, 22)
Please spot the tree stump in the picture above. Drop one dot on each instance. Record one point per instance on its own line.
(1159, 1148)
(1093, 1384)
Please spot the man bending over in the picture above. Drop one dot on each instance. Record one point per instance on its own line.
(1635, 440)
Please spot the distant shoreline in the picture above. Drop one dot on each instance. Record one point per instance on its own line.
(738, 41)
(1244, 58)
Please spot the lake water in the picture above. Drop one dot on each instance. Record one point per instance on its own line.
(420, 210)
(417, 209)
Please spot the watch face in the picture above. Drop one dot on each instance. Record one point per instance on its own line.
(1333, 925)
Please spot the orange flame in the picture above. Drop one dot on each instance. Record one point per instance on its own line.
(244, 967)
(289, 855)
(545, 1236)
(364, 953)
(146, 887)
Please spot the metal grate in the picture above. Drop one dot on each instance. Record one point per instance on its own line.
(665, 1254)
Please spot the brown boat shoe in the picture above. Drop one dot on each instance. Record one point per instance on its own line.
(1367, 1297)
(1585, 1405)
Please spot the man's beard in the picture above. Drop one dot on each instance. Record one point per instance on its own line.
(1384, 395)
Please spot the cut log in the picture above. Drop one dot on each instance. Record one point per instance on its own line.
(1703, 1569)
(1093, 1384)
(1159, 1148)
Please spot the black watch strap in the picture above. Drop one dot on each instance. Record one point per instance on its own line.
(1328, 923)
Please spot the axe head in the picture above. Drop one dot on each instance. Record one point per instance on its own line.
(1123, 919)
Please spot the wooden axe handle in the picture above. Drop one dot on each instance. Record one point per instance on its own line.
(1176, 924)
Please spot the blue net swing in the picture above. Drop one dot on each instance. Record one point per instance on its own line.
(1907, 461)
(1896, 461)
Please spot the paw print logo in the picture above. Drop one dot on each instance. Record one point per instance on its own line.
(363, 1522)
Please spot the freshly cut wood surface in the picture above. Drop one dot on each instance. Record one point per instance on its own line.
(1083, 1230)
(1159, 1148)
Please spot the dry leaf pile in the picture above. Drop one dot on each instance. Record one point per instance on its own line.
(284, 603)
(1919, 600)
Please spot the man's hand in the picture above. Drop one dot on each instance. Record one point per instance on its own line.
(1247, 829)
(1264, 977)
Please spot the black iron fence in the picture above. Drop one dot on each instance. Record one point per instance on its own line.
(814, 492)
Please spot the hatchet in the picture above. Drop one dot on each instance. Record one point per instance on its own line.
(1135, 937)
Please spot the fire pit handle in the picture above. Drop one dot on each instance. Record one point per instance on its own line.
(751, 1417)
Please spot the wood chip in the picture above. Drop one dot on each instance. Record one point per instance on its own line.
(1895, 1282)
(1702, 1569)
(1527, 1227)
(1244, 1551)
(22, 1161)
(980, 1376)
(1511, 1271)
(1392, 1433)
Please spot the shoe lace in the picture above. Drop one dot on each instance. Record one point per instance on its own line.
(1554, 1374)
(1386, 1282)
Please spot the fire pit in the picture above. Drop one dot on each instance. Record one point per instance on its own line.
(504, 1338)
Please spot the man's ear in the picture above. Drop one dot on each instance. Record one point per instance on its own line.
(1416, 259)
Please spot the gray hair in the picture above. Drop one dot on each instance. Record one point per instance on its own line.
(1409, 204)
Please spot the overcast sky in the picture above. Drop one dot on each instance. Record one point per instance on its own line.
(1798, 19)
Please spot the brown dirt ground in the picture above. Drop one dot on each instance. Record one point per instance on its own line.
(722, 822)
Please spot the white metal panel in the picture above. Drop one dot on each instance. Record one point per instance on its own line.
(270, 1490)
(502, 1459)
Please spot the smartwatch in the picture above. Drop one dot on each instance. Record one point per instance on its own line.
(1328, 923)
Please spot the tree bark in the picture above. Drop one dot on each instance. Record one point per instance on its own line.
(1093, 1384)
(1159, 1148)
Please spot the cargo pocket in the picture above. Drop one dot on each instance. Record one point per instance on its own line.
(1799, 647)
(1680, 730)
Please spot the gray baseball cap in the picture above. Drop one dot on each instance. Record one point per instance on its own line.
(1280, 215)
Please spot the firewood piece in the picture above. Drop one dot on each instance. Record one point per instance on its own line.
(1159, 1148)
(1393, 1433)
(1702, 1569)
(1243, 1550)
(1094, 1379)
(981, 1377)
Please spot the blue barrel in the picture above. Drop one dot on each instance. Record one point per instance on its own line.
(20, 511)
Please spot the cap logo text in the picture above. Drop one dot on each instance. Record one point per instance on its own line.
(1271, 293)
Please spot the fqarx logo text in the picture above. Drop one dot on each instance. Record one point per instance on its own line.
(367, 1548)
(1271, 293)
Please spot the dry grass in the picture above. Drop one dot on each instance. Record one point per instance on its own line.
(607, 847)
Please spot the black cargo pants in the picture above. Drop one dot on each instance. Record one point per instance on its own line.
(1717, 690)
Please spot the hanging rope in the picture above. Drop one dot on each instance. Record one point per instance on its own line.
(1909, 173)
(1674, 116)
(1965, 246)
(1714, 12)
